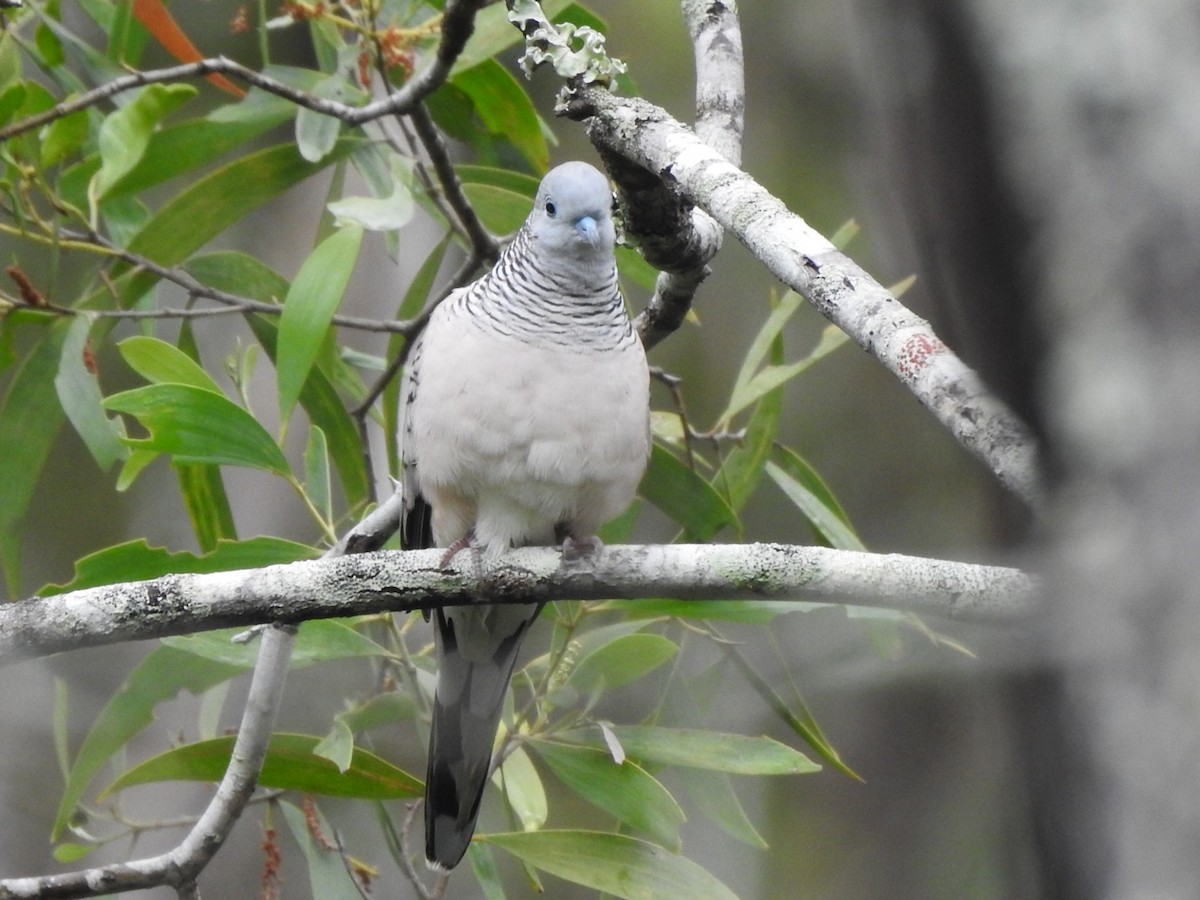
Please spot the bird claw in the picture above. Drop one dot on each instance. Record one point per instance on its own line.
(455, 548)
(575, 549)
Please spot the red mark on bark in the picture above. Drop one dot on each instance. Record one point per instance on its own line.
(916, 353)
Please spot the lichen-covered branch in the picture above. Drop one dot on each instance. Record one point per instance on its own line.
(399, 581)
(803, 259)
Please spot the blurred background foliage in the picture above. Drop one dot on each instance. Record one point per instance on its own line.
(941, 812)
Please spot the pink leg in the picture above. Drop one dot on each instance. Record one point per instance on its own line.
(456, 548)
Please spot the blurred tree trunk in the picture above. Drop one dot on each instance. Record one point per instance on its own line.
(1047, 155)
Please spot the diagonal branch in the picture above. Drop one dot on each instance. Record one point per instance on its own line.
(398, 581)
(808, 263)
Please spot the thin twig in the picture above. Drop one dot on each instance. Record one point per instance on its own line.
(457, 25)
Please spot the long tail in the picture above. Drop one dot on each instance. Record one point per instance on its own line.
(477, 650)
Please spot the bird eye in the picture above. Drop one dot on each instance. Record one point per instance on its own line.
(550, 209)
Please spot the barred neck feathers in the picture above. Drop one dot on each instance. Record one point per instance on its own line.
(556, 283)
(533, 296)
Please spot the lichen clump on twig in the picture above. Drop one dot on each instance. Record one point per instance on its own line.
(577, 52)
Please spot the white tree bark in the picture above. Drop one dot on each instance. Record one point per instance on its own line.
(404, 581)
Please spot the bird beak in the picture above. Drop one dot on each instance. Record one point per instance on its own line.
(588, 229)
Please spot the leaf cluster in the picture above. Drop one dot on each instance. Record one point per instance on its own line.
(107, 211)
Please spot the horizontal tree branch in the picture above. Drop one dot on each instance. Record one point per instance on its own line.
(401, 581)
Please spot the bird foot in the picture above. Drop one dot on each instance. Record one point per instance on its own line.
(575, 549)
(455, 548)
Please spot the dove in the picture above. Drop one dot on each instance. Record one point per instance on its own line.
(526, 423)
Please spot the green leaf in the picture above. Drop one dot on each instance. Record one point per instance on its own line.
(32, 417)
(311, 303)
(160, 676)
(804, 487)
(743, 468)
(162, 363)
(392, 208)
(385, 709)
(505, 110)
(801, 723)
(684, 496)
(621, 661)
(502, 211)
(316, 133)
(316, 641)
(79, 393)
(63, 138)
(125, 134)
(625, 790)
(612, 863)
(138, 561)
(194, 425)
(733, 753)
(185, 147)
(767, 334)
(209, 205)
(523, 789)
(69, 852)
(771, 377)
(290, 765)
(327, 875)
(715, 797)
(751, 612)
(316, 473)
(203, 493)
(234, 272)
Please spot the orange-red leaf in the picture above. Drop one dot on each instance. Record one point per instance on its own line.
(158, 21)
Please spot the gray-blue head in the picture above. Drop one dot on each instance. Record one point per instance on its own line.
(572, 214)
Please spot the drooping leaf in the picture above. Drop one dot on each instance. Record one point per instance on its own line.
(32, 418)
(79, 393)
(195, 425)
(126, 133)
(138, 561)
(804, 487)
(502, 211)
(612, 863)
(203, 491)
(160, 676)
(733, 753)
(290, 765)
(316, 641)
(523, 789)
(312, 300)
(384, 709)
(622, 660)
(684, 496)
(770, 377)
(209, 205)
(327, 875)
(626, 790)
(505, 110)
(316, 473)
(713, 793)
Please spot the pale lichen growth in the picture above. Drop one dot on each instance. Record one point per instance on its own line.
(577, 52)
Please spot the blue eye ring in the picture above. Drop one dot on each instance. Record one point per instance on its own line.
(550, 208)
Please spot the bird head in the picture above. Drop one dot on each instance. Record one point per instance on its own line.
(572, 213)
